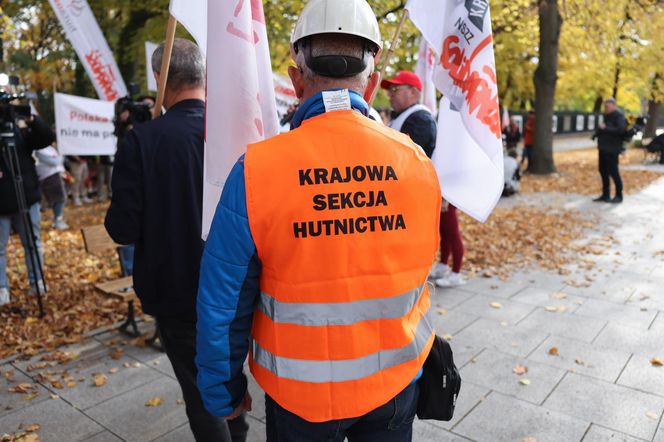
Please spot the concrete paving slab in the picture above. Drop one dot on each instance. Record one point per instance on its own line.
(258, 398)
(623, 314)
(642, 375)
(493, 287)
(180, 434)
(126, 415)
(659, 436)
(464, 351)
(469, 396)
(104, 436)
(86, 395)
(256, 431)
(449, 298)
(587, 359)
(494, 370)
(450, 322)
(642, 342)
(481, 305)
(58, 421)
(424, 431)
(596, 401)
(518, 341)
(546, 297)
(10, 402)
(563, 324)
(657, 325)
(84, 354)
(503, 418)
(601, 434)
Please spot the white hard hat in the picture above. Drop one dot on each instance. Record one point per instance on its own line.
(351, 17)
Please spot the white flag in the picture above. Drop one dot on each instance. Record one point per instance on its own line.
(149, 50)
(469, 154)
(192, 14)
(240, 107)
(84, 126)
(89, 43)
(426, 61)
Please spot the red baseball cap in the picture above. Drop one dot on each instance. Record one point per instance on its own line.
(403, 78)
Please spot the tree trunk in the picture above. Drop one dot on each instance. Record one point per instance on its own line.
(616, 79)
(546, 76)
(654, 108)
(597, 107)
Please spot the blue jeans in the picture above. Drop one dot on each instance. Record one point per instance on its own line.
(392, 422)
(6, 223)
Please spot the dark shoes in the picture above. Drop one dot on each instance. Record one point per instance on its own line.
(606, 199)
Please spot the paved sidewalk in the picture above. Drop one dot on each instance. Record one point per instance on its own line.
(599, 385)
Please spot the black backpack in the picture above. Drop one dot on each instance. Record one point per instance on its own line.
(440, 383)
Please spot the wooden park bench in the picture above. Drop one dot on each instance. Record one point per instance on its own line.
(98, 241)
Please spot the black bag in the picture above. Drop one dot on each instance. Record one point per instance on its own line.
(440, 383)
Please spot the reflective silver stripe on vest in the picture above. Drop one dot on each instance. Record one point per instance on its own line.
(338, 313)
(343, 370)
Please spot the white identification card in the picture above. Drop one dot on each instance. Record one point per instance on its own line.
(336, 100)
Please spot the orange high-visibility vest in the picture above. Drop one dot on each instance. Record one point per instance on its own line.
(344, 214)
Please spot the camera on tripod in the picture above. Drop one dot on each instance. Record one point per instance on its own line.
(129, 113)
(13, 114)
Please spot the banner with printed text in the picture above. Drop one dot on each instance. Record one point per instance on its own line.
(469, 154)
(89, 43)
(84, 126)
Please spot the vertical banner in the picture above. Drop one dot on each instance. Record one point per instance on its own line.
(426, 60)
(284, 94)
(192, 14)
(240, 107)
(84, 126)
(469, 152)
(91, 47)
(149, 50)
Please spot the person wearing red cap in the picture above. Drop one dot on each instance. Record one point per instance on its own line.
(409, 116)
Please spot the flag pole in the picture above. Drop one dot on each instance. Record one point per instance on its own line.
(165, 64)
(390, 51)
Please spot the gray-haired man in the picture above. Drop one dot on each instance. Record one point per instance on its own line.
(157, 205)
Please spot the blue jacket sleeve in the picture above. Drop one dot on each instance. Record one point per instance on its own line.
(227, 294)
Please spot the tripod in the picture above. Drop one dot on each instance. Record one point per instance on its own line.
(10, 157)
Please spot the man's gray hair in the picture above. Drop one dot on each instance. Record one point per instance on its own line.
(187, 68)
(337, 44)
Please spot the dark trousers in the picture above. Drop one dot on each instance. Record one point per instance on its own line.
(178, 336)
(392, 422)
(608, 168)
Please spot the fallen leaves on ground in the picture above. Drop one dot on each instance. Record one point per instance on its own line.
(578, 173)
(99, 379)
(553, 351)
(514, 238)
(496, 305)
(555, 308)
(657, 362)
(653, 415)
(524, 381)
(154, 402)
(71, 304)
(579, 361)
(520, 369)
(26, 433)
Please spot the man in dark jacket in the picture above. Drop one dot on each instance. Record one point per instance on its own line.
(657, 145)
(610, 138)
(409, 116)
(157, 205)
(29, 135)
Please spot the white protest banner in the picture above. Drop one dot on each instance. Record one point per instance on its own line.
(89, 43)
(284, 94)
(192, 14)
(426, 60)
(149, 50)
(84, 126)
(469, 153)
(240, 106)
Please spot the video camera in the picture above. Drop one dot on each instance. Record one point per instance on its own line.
(137, 112)
(11, 114)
